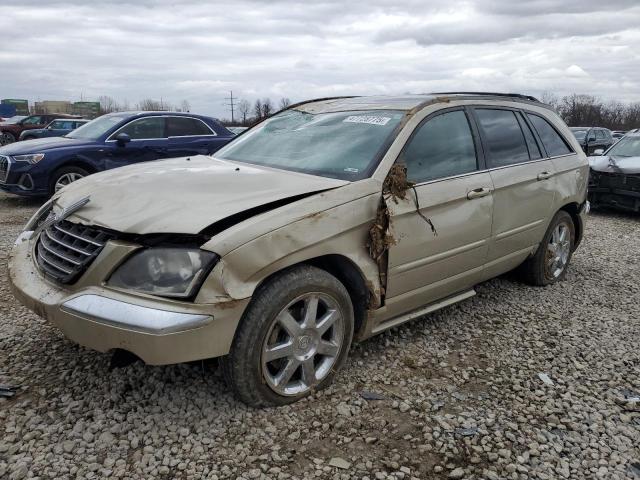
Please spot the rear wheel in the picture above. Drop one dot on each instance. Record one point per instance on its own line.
(6, 138)
(294, 336)
(64, 176)
(550, 262)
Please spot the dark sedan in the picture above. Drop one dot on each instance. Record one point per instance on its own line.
(43, 166)
(57, 128)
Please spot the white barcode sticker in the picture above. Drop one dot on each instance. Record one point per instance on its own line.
(370, 119)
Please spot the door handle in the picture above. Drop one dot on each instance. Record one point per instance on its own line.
(478, 192)
(544, 175)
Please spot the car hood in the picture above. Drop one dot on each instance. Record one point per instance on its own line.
(182, 195)
(615, 164)
(42, 145)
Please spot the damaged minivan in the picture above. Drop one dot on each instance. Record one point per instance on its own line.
(325, 224)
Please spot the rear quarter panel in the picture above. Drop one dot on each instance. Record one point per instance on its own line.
(572, 171)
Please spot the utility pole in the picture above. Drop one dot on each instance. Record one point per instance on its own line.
(231, 104)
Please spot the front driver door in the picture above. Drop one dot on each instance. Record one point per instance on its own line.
(454, 193)
(148, 142)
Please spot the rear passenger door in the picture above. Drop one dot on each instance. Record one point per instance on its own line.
(190, 136)
(454, 192)
(524, 190)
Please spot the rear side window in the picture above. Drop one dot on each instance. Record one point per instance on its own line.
(145, 128)
(553, 143)
(532, 145)
(183, 127)
(504, 138)
(441, 147)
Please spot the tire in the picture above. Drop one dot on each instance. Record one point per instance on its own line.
(281, 300)
(65, 175)
(541, 269)
(6, 138)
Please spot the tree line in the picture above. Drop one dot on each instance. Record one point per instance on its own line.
(589, 111)
(110, 105)
(246, 114)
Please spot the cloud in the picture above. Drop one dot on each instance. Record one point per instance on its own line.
(199, 51)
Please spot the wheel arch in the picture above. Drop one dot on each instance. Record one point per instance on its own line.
(75, 162)
(573, 209)
(348, 273)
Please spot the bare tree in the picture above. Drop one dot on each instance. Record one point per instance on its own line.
(108, 104)
(149, 104)
(267, 107)
(244, 108)
(585, 111)
(257, 109)
(185, 106)
(284, 103)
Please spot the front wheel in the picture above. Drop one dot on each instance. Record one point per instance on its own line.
(6, 138)
(64, 176)
(293, 337)
(550, 262)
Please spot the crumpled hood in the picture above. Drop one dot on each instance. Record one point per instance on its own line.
(182, 195)
(615, 164)
(42, 145)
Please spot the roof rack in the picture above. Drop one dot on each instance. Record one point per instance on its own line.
(491, 94)
(312, 100)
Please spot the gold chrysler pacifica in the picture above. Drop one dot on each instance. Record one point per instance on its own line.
(329, 222)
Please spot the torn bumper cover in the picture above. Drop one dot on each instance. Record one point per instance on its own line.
(615, 189)
(159, 331)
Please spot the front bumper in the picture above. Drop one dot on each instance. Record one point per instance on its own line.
(615, 190)
(21, 178)
(159, 331)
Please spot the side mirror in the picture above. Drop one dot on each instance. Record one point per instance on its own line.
(598, 151)
(122, 139)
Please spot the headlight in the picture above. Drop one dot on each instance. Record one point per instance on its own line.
(167, 272)
(38, 217)
(33, 158)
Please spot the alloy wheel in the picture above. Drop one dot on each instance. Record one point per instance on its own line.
(6, 139)
(558, 250)
(66, 179)
(303, 344)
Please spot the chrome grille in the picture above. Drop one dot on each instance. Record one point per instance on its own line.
(4, 168)
(65, 250)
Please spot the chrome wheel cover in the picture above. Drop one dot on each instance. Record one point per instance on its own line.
(558, 250)
(66, 179)
(302, 344)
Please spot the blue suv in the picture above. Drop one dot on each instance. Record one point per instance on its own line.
(43, 166)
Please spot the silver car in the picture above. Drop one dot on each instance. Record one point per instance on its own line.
(327, 223)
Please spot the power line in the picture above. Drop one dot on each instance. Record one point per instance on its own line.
(231, 104)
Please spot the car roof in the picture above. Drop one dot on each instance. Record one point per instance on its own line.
(143, 113)
(404, 102)
(71, 119)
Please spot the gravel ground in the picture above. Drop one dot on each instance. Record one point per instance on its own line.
(457, 394)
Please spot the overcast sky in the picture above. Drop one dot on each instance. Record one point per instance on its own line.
(198, 50)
